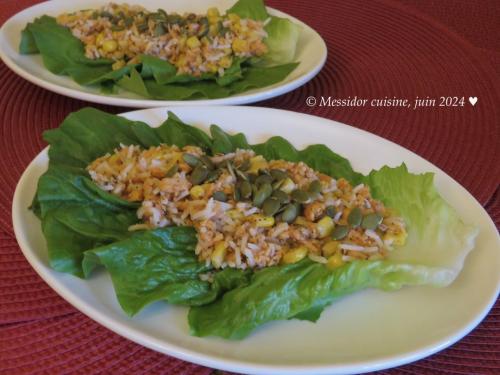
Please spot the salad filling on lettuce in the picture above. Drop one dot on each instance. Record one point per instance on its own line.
(160, 209)
(167, 55)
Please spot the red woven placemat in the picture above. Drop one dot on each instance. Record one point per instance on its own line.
(376, 49)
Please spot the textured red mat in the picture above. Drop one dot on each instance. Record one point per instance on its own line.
(376, 49)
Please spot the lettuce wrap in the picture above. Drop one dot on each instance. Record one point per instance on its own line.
(86, 227)
(152, 77)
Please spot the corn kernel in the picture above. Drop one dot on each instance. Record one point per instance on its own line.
(99, 39)
(219, 253)
(212, 68)
(193, 42)
(197, 192)
(240, 45)
(118, 65)
(398, 239)
(330, 248)
(225, 62)
(288, 185)
(294, 255)
(301, 220)
(335, 261)
(213, 12)
(233, 17)
(109, 45)
(263, 221)
(181, 61)
(212, 20)
(257, 163)
(325, 226)
(234, 214)
(213, 29)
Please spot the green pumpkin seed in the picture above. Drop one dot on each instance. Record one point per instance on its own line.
(355, 217)
(330, 211)
(207, 161)
(159, 30)
(262, 194)
(219, 196)
(237, 194)
(252, 177)
(200, 173)
(278, 174)
(172, 171)
(245, 165)
(281, 196)
(245, 189)
(371, 221)
(315, 187)
(339, 232)
(290, 213)
(263, 178)
(300, 196)
(190, 159)
(270, 206)
(213, 175)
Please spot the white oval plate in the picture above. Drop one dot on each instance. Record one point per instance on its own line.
(311, 52)
(365, 331)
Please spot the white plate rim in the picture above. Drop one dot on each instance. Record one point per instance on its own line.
(243, 98)
(242, 366)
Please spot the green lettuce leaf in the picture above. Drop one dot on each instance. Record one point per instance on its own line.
(282, 40)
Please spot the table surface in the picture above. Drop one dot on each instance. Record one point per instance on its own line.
(404, 48)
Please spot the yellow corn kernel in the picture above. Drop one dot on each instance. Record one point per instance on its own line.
(212, 20)
(109, 45)
(219, 253)
(236, 27)
(335, 261)
(325, 226)
(330, 248)
(118, 65)
(240, 45)
(233, 17)
(99, 39)
(398, 239)
(193, 42)
(263, 221)
(294, 255)
(234, 214)
(197, 192)
(181, 61)
(212, 68)
(301, 220)
(288, 185)
(213, 29)
(211, 12)
(257, 163)
(225, 62)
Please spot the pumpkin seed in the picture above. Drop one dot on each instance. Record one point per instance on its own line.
(159, 30)
(330, 211)
(213, 175)
(237, 194)
(263, 178)
(200, 173)
(355, 217)
(281, 196)
(245, 165)
(172, 171)
(262, 194)
(270, 206)
(315, 187)
(190, 159)
(371, 221)
(300, 196)
(290, 213)
(207, 161)
(241, 175)
(278, 174)
(245, 189)
(252, 177)
(220, 196)
(339, 232)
